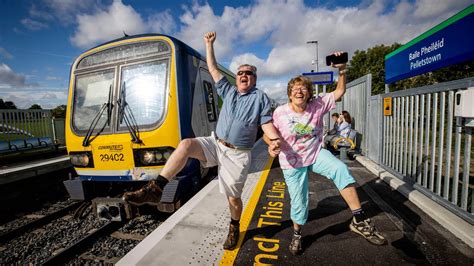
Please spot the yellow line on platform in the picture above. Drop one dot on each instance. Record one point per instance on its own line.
(229, 256)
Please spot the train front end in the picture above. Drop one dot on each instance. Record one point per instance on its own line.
(122, 117)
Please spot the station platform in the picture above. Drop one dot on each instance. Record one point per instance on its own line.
(194, 234)
(25, 169)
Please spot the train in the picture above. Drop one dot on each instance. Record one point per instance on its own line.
(130, 102)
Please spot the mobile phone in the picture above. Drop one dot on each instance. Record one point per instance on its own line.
(341, 59)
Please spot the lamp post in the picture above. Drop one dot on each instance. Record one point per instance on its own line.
(317, 58)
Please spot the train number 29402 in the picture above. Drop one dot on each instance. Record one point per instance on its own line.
(111, 157)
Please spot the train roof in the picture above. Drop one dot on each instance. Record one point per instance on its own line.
(181, 44)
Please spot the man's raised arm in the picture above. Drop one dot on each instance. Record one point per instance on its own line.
(209, 39)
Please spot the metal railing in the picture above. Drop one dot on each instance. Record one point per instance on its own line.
(424, 143)
(357, 101)
(23, 124)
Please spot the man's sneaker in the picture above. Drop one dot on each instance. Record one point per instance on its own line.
(148, 194)
(295, 245)
(232, 238)
(368, 231)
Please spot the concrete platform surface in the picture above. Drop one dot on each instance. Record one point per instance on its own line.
(195, 233)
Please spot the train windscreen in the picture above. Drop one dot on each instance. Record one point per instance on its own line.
(91, 93)
(136, 73)
(146, 89)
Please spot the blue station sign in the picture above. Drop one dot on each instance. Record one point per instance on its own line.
(448, 43)
(320, 77)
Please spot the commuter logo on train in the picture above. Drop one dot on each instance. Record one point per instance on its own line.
(111, 147)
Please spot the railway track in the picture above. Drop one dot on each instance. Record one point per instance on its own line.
(77, 247)
(71, 234)
(66, 232)
(36, 220)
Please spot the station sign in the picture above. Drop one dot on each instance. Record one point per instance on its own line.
(320, 77)
(448, 43)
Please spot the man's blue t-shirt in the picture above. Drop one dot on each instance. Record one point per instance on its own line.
(241, 114)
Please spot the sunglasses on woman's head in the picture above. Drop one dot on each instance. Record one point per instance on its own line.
(246, 72)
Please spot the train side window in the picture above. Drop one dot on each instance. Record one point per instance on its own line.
(210, 103)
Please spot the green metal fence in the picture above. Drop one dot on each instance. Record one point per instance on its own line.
(24, 124)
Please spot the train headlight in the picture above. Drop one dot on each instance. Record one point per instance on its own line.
(81, 159)
(159, 156)
(84, 160)
(152, 156)
(148, 157)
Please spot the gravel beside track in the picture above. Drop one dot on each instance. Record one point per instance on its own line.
(38, 245)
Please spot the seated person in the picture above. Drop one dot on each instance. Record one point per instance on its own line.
(344, 124)
(331, 134)
(335, 118)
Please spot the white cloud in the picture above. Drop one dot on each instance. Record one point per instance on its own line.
(283, 26)
(247, 58)
(10, 79)
(5, 53)
(46, 98)
(162, 22)
(40, 13)
(275, 89)
(33, 24)
(49, 96)
(107, 24)
(286, 26)
(53, 78)
(198, 20)
(64, 11)
(432, 8)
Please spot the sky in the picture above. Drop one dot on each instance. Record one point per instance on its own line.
(40, 39)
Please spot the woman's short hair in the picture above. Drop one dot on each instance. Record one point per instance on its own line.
(306, 82)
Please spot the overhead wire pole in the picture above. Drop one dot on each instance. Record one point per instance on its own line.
(317, 57)
(316, 86)
(317, 66)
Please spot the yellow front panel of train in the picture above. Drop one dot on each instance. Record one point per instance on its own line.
(113, 152)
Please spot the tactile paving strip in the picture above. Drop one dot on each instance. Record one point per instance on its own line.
(209, 250)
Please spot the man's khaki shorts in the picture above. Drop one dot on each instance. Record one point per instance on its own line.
(232, 164)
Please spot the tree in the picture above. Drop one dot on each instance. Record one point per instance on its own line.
(371, 61)
(7, 104)
(35, 107)
(59, 111)
(454, 72)
(10, 105)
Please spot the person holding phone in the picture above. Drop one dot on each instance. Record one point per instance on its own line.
(334, 59)
(245, 108)
(300, 126)
(344, 124)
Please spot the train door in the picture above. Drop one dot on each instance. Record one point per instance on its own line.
(210, 100)
(205, 109)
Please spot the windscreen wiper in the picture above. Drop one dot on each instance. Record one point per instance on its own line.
(108, 105)
(125, 114)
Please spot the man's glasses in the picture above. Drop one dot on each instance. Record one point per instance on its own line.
(246, 72)
(299, 89)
